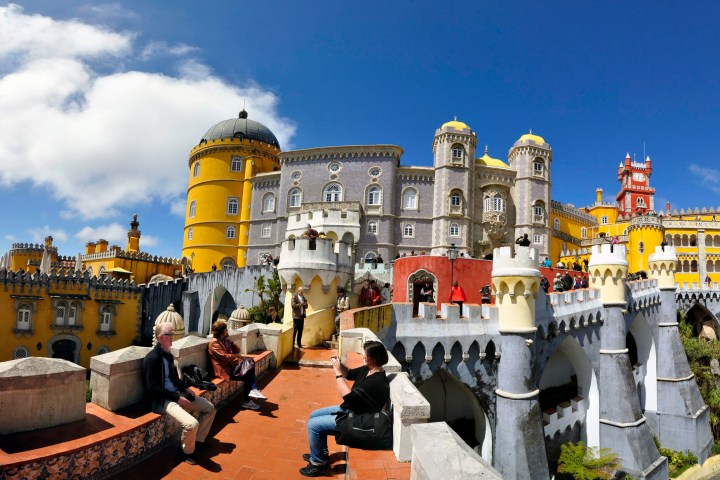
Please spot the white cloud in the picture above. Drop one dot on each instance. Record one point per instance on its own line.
(37, 235)
(10, 238)
(114, 233)
(109, 10)
(102, 143)
(710, 177)
(177, 208)
(148, 241)
(160, 48)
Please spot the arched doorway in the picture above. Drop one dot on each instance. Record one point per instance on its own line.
(219, 302)
(569, 399)
(704, 323)
(66, 347)
(416, 281)
(451, 401)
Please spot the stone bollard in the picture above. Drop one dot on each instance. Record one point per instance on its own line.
(116, 378)
(40, 393)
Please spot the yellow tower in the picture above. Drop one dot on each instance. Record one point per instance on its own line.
(516, 280)
(662, 265)
(608, 268)
(644, 234)
(217, 216)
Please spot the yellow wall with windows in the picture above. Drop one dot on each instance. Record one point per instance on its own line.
(211, 189)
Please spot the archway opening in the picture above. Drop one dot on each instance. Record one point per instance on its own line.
(417, 281)
(704, 323)
(641, 351)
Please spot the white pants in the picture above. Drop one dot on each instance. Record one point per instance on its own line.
(193, 429)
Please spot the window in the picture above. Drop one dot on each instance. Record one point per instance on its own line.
(105, 319)
(374, 195)
(457, 153)
(60, 314)
(72, 314)
(641, 202)
(103, 350)
(332, 193)
(191, 213)
(372, 226)
(190, 233)
(538, 210)
(230, 232)
(369, 256)
(641, 247)
(24, 316)
(20, 352)
(557, 224)
(694, 266)
(266, 230)
(228, 264)
(295, 197)
(537, 238)
(409, 199)
(494, 203)
(268, 204)
(455, 199)
(454, 230)
(236, 164)
(408, 230)
(196, 169)
(604, 220)
(232, 206)
(538, 167)
(583, 233)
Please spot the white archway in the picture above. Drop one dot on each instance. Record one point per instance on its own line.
(646, 372)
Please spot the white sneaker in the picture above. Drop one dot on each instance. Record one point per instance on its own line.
(250, 405)
(255, 393)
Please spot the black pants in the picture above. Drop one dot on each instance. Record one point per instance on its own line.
(298, 325)
(459, 303)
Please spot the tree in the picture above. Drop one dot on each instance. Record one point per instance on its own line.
(270, 288)
(583, 463)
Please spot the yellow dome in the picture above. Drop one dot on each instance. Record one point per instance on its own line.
(530, 137)
(456, 125)
(488, 161)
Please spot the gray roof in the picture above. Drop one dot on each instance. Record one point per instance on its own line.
(241, 127)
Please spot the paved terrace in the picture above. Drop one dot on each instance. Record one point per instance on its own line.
(266, 444)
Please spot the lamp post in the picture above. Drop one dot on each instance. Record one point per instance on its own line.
(452, 254)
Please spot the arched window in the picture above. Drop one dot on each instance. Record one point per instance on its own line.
(557, 224)
(191, 213)
(641, 247)
(539, 212)
(369, 256)
(538, 167)
(332, 193)
(372, 226)
(409, 199)
(693, 266)
(458, 153)
(232, 206)
(268, 203)
(196, 169)
(236, 164)
(454, 230)
(537, 238)
(190, 233)
(604, 220)
(60, 313)
(409, 230)
(455, 199)
(295, 197)
(266, 230)
(227, 264)
(24, 317)
(374, 195)
(641, 202)
(72, 314)
(583, 232)
(494, 203)
(20, 352)
(105, 319)
(230, 232)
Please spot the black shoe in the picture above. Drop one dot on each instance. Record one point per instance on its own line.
(313, 470)
(307, 456)
(189, 459)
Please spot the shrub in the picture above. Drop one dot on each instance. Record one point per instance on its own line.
(583, 463)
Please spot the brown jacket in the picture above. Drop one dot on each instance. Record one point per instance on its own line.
(299, 307)
(222, 361)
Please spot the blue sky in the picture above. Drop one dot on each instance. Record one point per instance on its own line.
(101, 102)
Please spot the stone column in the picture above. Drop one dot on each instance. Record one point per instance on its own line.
(702, 257)
(683, 417)
(623, 427)
(519, 437)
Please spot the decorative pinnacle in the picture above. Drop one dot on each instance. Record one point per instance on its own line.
(243, 114)
(486, 149)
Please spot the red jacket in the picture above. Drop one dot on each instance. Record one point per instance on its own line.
(457, 294)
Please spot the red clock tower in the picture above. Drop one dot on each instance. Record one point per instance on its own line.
(636, 195)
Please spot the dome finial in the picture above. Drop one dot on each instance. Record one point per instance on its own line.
(531, 131)
(243, 113)
(455, 117)
(486, 149)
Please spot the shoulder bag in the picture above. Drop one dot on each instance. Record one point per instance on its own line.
(367, 431)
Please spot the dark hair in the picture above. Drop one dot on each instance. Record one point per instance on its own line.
(376, 351)
(218, 328)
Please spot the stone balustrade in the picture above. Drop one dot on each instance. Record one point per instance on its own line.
(40, 393)
(439, 452)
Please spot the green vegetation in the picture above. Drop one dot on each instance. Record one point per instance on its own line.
(269, 291)
(678, 462)
(582, 463)
(88, 392)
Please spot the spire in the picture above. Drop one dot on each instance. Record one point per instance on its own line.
(486, 149)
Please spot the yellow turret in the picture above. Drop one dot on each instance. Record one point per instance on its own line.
(133, 244)
(516, 280)
(608, 268)
(663, 264)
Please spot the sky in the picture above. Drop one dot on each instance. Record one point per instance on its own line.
(100, 103)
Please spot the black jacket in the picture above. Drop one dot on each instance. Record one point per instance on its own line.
(154, 377)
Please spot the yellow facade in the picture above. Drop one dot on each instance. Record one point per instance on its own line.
(69, 318)
(217, 218)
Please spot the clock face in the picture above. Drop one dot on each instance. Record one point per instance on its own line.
(638, 177)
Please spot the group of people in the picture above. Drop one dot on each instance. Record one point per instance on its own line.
(372, 295)
(170, 395)
(565, 283)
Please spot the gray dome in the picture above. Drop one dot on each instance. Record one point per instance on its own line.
(241, 127)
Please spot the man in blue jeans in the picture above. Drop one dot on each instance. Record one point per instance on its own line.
(371, 379)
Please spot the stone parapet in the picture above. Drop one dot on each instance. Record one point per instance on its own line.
(116, 378)
(438, 453)
(352, 340)
(40, 393)
(409, 408)
(191, 350)
(306, 258)
(643, 294)
(564, 311)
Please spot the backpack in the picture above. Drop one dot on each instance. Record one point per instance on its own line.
(197, 377)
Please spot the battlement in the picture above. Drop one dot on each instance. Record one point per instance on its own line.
(652, 221)
(338, 217)
(139, 256)
(643, 294)
(306, 257)
(608, 254)
(565, 311)
(66, 279)
(30, 248)
(663, 254)
(521, 262)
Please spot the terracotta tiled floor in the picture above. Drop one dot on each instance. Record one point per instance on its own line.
(268, 444)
